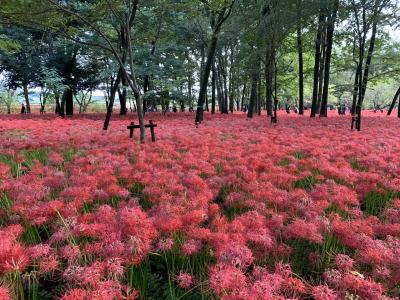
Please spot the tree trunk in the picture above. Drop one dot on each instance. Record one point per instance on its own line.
(366, 72)
(259, 106)
(213, 79)
(69, 102)
(329, 45)
(269, 75)
(321, 70)
(190, 90)
(123, 97)
(58, 107)
(396, 96)
(317, 64)
(204, 78)
(300, 56)
(224, 88)
(243, 96)
(220, 92)
(26, 95)
(253, 96)
(110, 106)
(231, 85)
(355, 90)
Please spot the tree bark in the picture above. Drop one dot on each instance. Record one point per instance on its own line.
(269, 75)
(26, 95)
(392, 106)
(253, 96)
(355, 90)
(110, 106)
(317, 64)
(231, 81)
(300, 56)
(123, 97)
(366, 72)
(321, 70)
(69, 102)
(213, 79)
(243, 96)
(204, 78)
(329, 45)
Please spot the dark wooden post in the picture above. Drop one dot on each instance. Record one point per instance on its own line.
(131, 128)
(153, 136)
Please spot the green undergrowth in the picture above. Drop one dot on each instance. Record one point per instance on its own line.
(233, 210)
(40, 154)
(29, 287)
(307, 183)
(283, 162)
(325, 254)
(300, 155)
(35, 234)
(155, 278)
(137, 190)
(10, 161)
(375, 202)
(357, 166)
(203, 175)
(29, 156)
(333, 208)
(219, 169)
(90, 207)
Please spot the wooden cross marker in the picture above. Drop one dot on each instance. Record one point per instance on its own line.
(151, 125)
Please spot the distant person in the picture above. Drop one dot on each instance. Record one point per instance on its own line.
(174, 109)
(23, 109)
(191, 109)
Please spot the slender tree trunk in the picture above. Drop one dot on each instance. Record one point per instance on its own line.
(300, 56)
(355, 90)
(317, 64)
(269, 75)
(213, 79)
(123, 97)
(26, 95)
(396, 96)
(190, 90)
(62, 108)
(254, 81)
(321, 70)
(329, 45)
(110, 106)
(205, 76)
(219, 91)
(366, 72)
(243, 96)
(398, 111)
(259, 106)
(224, 88)
(231, 82)
(58, 107)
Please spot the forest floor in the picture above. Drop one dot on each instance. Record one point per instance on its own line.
(231, 209)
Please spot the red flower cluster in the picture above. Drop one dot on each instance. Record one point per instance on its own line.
(306, 209)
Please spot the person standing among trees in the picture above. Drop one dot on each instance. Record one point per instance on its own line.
(23, 109)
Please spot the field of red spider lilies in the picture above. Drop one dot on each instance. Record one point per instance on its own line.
(234, 209)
